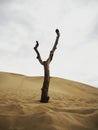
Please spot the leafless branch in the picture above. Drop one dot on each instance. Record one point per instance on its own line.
(54, 47)
(37, 52)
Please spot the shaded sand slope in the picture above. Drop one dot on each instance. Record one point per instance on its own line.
(72, 105)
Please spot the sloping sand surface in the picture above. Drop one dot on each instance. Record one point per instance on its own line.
(72, 105)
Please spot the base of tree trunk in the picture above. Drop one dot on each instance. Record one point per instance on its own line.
(45, 100)
(44, 96)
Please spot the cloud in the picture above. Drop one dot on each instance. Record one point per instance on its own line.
(22, 22)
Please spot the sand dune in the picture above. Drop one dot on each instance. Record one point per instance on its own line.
(72, 105)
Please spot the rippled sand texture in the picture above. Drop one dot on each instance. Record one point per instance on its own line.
(72, 105)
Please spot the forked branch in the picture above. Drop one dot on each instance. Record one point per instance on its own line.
(51, 52)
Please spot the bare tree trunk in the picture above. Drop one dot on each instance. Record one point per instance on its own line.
(45, 87)
(44, 94)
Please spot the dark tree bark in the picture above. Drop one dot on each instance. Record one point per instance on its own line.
(45, 87)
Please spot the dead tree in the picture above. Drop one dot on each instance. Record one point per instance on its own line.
(44, 94)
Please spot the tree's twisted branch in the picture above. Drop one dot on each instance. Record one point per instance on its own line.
(55, 46)
(38, 54)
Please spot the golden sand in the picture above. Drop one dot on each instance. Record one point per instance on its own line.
(72, 105)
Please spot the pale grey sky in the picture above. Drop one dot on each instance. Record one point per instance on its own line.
(22, 22)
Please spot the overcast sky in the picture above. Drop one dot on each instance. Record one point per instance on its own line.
(22, 22)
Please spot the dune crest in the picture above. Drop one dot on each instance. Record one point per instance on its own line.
(72, 105)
